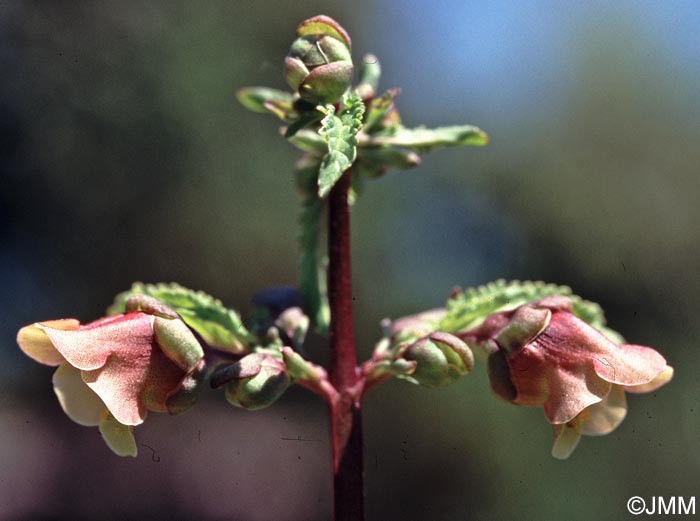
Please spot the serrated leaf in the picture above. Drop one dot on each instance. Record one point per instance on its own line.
(220, 327)
(378, 108)
(469, 308)
(312, 281)
(424, 139)
(254, 98)
(340, 133)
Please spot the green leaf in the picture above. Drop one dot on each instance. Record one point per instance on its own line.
(373, 162)
(377, 110)
(312, 275)
(469, 308)
(255, 98)
(340, 132)
(306, 119)
(220, 327)
(424, 139)
(284, 110)
(309, 141)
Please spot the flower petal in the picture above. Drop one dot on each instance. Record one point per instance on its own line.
(630, 365)
(118, 437)
(604, 417)
(78, 401)
(133, 380)
(36, 344)
(563, 385)
(122, 363)
(566, 438)
(88, 347)
(570, 392)
(660, 379)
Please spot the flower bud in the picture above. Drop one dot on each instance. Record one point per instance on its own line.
(280, 308)
(440, 359)
(319, 65)
(254, 382)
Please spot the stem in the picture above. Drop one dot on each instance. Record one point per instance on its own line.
(345, 412)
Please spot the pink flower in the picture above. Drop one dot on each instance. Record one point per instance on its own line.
(111, 372)
(541, 355)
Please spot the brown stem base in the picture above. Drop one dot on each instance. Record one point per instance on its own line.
(348, 479)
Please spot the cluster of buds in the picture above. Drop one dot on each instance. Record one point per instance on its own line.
(319, 65)
(414, 351)
(439, 359)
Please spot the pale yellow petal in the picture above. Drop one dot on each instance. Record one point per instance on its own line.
(117, 436)
(78, 401)
(566, 438)
(36, 344)
(603, 417)
(660, 379)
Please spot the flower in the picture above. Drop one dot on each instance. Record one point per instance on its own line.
(319, 65)
(541, 355)
(111, 372)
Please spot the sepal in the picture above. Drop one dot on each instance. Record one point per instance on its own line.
(219, 327)
(254, 382)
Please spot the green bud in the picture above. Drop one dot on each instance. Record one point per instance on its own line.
(255, 382)
(370, 71)
(300, 368)
(440, 359)
(319, 65)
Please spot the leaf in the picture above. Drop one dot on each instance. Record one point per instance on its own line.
(304, 120)
(284, 110)
(340, 132)
(220, 327)
(378, 108)
(308, 141)
(424, 139)
(373, 162)
(312, 276)
(470, 307)
(255, 98)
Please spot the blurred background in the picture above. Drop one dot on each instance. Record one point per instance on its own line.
(124, 156)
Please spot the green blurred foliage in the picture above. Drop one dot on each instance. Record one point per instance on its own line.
(125, 157)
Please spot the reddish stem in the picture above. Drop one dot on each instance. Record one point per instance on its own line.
(345, 412)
